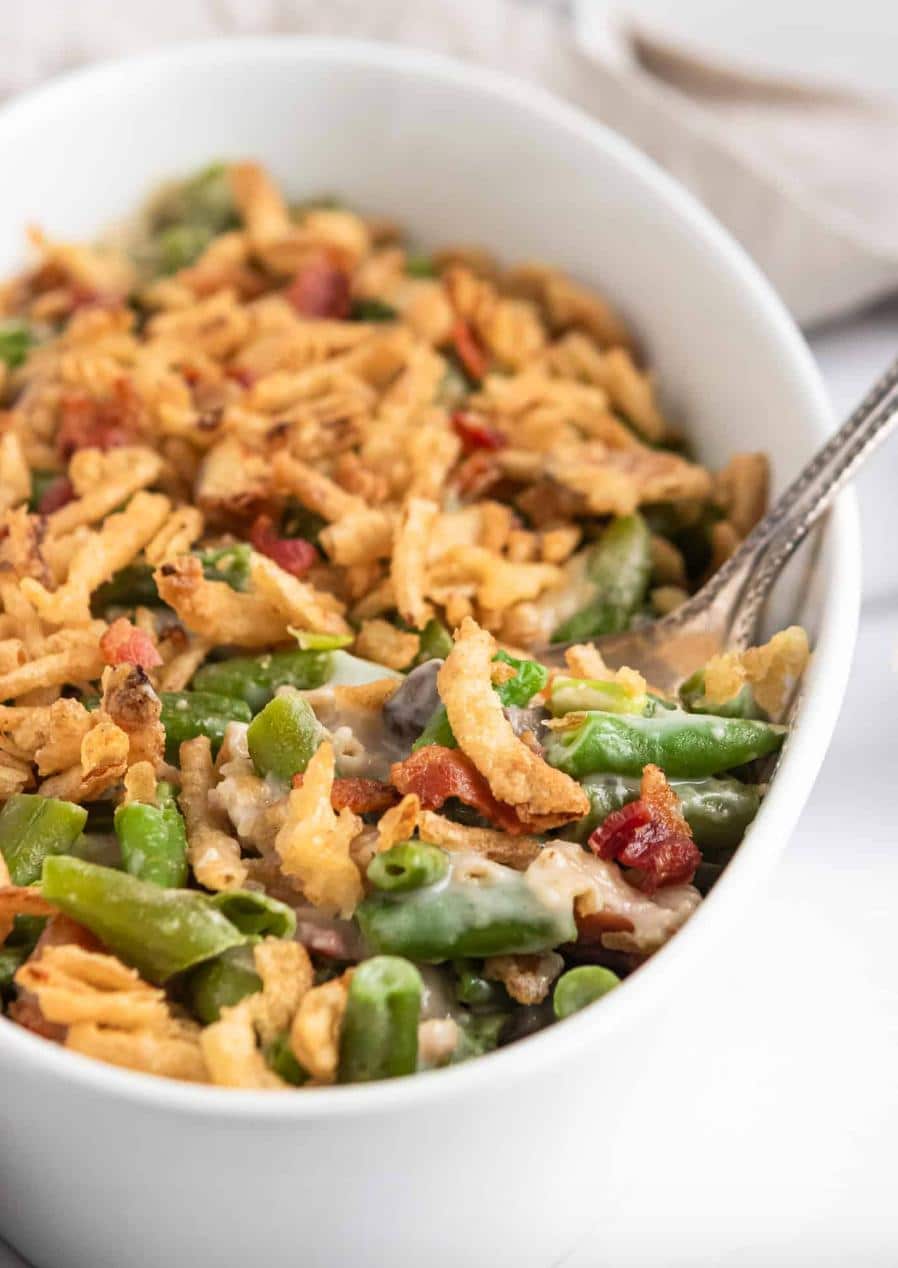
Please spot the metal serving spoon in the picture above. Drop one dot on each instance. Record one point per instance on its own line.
(724, 614)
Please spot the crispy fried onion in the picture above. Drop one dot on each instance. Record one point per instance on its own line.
(212, 852)
(650, 835)
(542, 796)
(313, 845)
(527, 978)
(315, 1033)
(20, 900)
(771, 670)
(435, 774)
(361, 796)
(501, 847)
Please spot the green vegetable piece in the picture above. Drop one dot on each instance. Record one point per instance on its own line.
(254, 679)
(619, 568)
(581, 986)
(310, 642)
(479, 1033)
(32, 828)
(159, 931)
(187, 714)
(498, 914)
(373, 310)
(282, 739)
(298, 521)
(717, 810)
(436, 642)
(221, 983)
(530, 677)
(206, 199)
(40, 483)
(570, 695)
(228, 563)
(181, 245)
(417, 264)
(684, 745)
(254, 914)
(153, 840)
(98, 847)
(379, 1035)
(132, 587)
(475, 990)
(279, 1056)
(352, 671)
(406, 866)
(15, 340)
(742, 705)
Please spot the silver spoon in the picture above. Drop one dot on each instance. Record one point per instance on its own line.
(724, 614)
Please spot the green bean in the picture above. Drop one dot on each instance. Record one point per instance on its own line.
(478, 1034)
(298, 521)
(15, 340)
(32, 828)
(98, 847)
(475, 990)
(619, 567)
(254, 914)
(742, 705)
(717, 810)
(684, 745)
(529, 678)
(179, 246)
(353, 671)
(436, 642)
(159, 931)
(466, 916)
(417, 264)
(255, 679)
(187, 714)
(373, 310)
(153, 840)
(570, 695)
(40, 483)
(11, 959)
(406, 866)
(379, 1035)
(282, 739)
(279, 1056)
(131, 587)
(581, 986)
(228, 563)
(221, 983)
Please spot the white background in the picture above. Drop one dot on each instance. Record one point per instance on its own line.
(782, 1071)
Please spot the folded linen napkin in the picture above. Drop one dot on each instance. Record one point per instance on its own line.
(801, 175)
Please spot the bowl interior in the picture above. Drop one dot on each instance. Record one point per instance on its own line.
(463, 156)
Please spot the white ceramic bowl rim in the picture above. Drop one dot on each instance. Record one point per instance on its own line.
(804, 750)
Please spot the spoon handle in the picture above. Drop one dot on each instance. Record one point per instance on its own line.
(751, 571)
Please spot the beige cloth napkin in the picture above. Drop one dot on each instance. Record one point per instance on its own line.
(805, 178)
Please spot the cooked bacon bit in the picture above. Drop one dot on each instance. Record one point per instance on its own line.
(470, 353)
(90, 424)
(361, 796)
(650, 835)
(475, 433)
(320, 290)
(436, 773)
(58, 493)
(294, 554)
(124, 644)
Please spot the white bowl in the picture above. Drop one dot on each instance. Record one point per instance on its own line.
(500, 1161)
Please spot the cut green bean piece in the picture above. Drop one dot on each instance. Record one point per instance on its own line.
(187, 714)
(32, 828)
(717, 810)
(279, 1056)
(468, 916)
(475, 990)
(406, 866)
(15, 340)
(684, 745)
(417, 264)
(581, 986)
(255, 679)
(742, 705)
(574, 695)
(619, 567)
(373, 310)
(436, 642)
(131, 587)
(282, 739)
(221, 983)
(159, 931)
(228, 563)
(478, 1034)
(255, 914)
(529, 678)
(379, 1035)
(153, 840)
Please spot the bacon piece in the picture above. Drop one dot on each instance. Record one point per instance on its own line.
(90, 424)
(124, 644)
(650, 835)
(294, 554)
(435, 774)
(475, 433)
(320, 289)
(361, 796)
(470, 353)
(58, 493)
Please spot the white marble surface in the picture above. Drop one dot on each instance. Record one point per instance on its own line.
(779, 1146)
